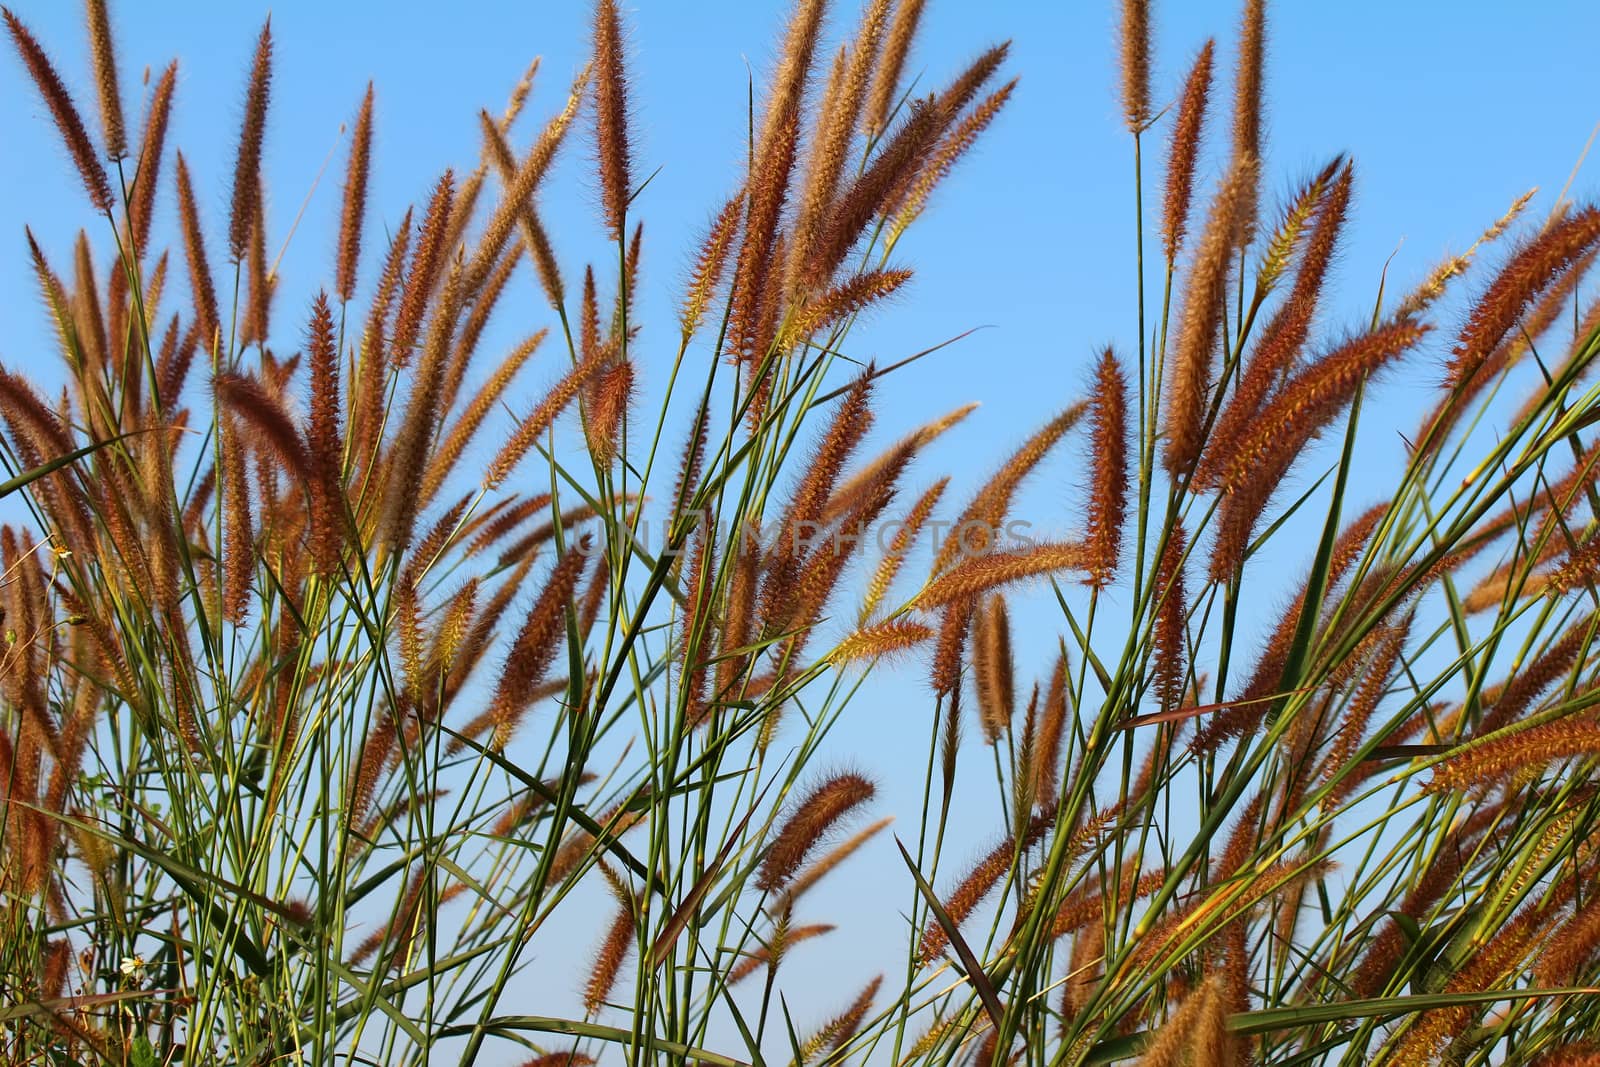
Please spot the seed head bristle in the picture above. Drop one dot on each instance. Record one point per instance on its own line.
(612, 141)
(326, 444)
(975, 528)
(62, 110)
(808, 823)
(1184, 151)
(1533, 680)
(1282, 340)
(837, 1032)
(103, 48)
(879, 188)
(838, 116)
(825, 864)
(1135, 57)
(709, 265)
(257, 407)
(247, 164)
(519, 191)
(765, 955)
(843, 301)
(238, 534)
(850, 423)
(1311, 399)
(467, 424)
(612, 396)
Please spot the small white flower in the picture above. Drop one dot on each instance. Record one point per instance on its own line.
(133, 967)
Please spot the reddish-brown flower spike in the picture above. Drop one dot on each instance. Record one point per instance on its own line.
(104, 51)
(205, 293)
(423, 276)
(352, 213)
(534, 648)
(614, 949)
(979, 881)
(1108, 489)
(1170, 638)
(62, 110)
(709, 266)
(611, 116)
(270, 428)
(1194, 355)
(984, 573)
(1052, 730)
(323, 437)
(142, 196)
(883, 639)
(811, 820)
(611, 396)
(1248, 90)
(247, 165)
(994, 669)
(1184, 151)
(885, 90)
(955, 145)
(1309, 401)
(1135, 57)
(1283, 339)
(1529, 271)
(1496, 757)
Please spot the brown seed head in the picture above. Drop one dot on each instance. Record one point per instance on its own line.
(247, 165)
(811, 819)
(68, 122)
(103, 48)
(352, 213)
(612, 143)
(1184, 151)
(1135, 56)
(1108, 489)
(886, 82)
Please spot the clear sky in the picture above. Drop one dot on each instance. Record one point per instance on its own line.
(1450, 110)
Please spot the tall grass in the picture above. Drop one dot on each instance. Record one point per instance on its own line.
(312, 737)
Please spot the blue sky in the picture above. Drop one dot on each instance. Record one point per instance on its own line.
(1450, 111)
